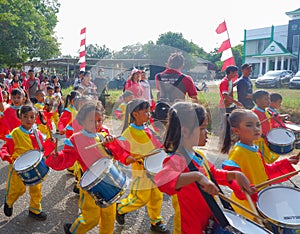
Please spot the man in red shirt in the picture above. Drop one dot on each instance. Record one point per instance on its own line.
(172, 84)
(32, 85)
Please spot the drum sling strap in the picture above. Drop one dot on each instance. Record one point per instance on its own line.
(214, 207)
(38, 140)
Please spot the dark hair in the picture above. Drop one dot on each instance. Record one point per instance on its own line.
(71, 96)
(88, 107)
(50, 87)
(233, 120)
(182, 114)
(24, 109)
(127, 93)
(56, 87)
(131, 107)
(176, 60)
(231, 68)
(86, 73)
(258, 94)
(38, 92)
(17, 91)
(4, 92)
(275, 97)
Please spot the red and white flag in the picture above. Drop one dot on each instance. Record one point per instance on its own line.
(82, 49)
(225, 47)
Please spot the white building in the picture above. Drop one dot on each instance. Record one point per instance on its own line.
(275, 47)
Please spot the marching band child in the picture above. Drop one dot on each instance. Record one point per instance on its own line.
(261, 99)
(68, 114)
(50, 98)
(41, 121)
(10, 118)
(186, 128)
(139, 141)
(91, 117)
(246, 157)
(277, 120)
(19, 141)
(3, 129)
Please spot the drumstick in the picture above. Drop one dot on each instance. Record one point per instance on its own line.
(96, 144)
(253, 207)
(276, 179)
(147, 155)
(240, 206)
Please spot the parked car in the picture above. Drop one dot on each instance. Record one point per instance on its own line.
(274, 79)
(295, 81)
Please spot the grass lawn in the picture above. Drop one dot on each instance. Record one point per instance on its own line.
(290, 104)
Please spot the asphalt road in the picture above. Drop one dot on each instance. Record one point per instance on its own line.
(60, 203)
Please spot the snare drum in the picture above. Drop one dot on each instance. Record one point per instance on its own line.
(154, 163)
(281, 140)
(280, 206)
(296, 129)
(105, 182)
(241, 225)
(31, 167)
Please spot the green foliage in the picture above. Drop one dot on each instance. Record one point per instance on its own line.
(96, 51)
(26, 30)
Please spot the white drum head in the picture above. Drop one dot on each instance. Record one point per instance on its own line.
(281, 204)
(94, 172)
(27, 160)
(293, 127)
(154, 163)
(242, 224)
(280, 136)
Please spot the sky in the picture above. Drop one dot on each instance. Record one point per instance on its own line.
(119, 23)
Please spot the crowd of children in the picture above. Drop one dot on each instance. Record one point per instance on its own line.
(186, 174)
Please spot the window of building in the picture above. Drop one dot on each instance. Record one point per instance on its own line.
(296, 43)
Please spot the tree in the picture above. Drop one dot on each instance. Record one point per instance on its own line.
(27, 30)
(96, 51)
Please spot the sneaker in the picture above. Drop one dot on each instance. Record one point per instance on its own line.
(67, 227)
(159, 228)
(120, 217)
(70, 172)
(76, 189)
(8, 210)
(41, 216)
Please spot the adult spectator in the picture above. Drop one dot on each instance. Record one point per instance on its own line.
(147, 91)
(55, 81)
(244, 87)
(44, 84)
(87, 87)
(101, 85)
(78, 80)
(2, 77)
(133, 83)
(172, 84)
(32, 85)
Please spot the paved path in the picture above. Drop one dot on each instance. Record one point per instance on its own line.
(60, 203)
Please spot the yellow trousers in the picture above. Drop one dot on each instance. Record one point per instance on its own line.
(143, 192)
(16, 188)
(92, 215)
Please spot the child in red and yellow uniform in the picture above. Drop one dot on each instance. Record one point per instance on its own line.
(246, 157)
(19, 141)
(10, 118)
(90, 116)
(261, 99)
(187, 127)
(68, 115)
(41, 120)
(140, 140)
